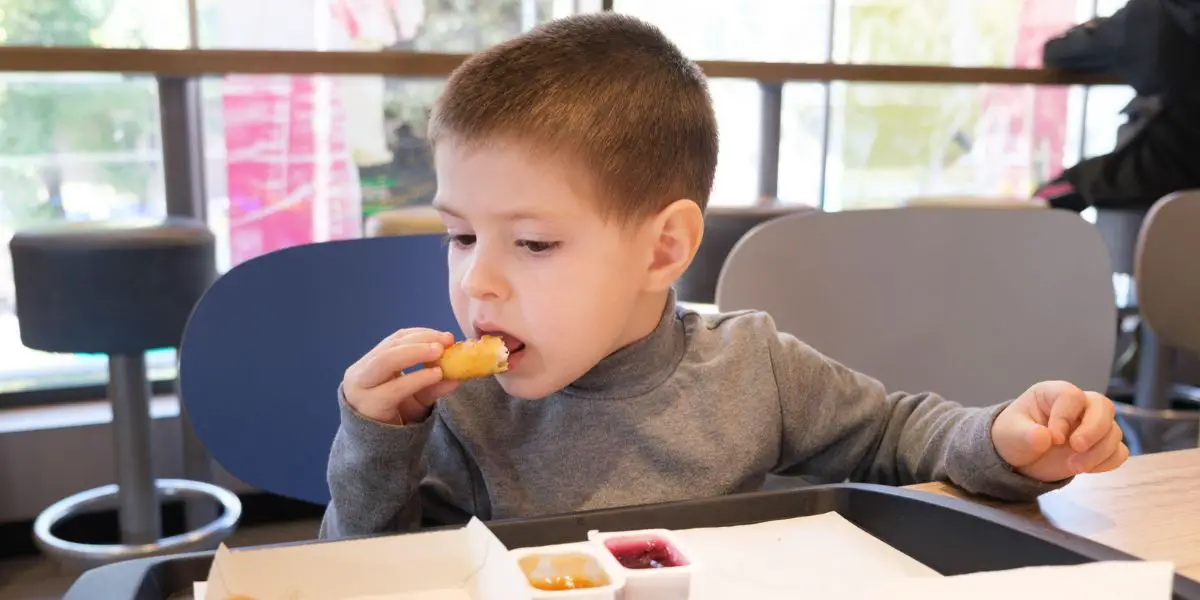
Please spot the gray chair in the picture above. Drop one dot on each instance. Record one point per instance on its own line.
(973, 303)
(723, 227)
(1168, 284)
(121, 289)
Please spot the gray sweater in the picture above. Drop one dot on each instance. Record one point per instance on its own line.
(704, 406)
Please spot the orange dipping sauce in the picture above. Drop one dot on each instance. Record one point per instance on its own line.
(560, 572)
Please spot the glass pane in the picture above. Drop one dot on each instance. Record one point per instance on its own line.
(1106, 8)
(76, 148)
(108, 23)
(297, 159)
(1104, 118)
(763, 30)
(801, 144)
(293, 160)
(738, 105)
(427, 25)
(1000, 33)
(893, 142)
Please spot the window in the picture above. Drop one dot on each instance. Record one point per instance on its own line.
(77, 147)
(297, 159)
(863, 145)
(764, 30)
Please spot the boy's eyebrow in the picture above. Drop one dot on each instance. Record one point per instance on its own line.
(442, 208)
(515, 215)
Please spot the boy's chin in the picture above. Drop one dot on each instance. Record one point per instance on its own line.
(523, 388)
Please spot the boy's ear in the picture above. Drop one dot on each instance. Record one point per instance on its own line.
(675, 234)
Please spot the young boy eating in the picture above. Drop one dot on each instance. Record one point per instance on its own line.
(573, 165)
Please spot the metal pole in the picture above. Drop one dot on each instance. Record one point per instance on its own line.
(183, 169)
(770, 126)
(129, 392)
(827, 116)
(182, 146)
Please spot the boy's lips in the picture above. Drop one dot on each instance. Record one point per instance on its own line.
(511, 342)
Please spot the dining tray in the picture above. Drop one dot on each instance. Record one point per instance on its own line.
(949, 535)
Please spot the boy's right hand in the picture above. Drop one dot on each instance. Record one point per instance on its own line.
(378, 389)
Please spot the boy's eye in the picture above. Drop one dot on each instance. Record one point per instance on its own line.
(537, 247)
(462, 241)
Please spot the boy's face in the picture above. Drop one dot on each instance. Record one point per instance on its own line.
(532, 260)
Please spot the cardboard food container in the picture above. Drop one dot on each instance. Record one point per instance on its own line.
(467, 564)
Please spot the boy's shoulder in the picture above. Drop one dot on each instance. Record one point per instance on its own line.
(749, 323)
(751, 333)
(745, 331)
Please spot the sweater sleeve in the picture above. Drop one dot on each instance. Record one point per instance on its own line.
(839, 424)
(385, 478)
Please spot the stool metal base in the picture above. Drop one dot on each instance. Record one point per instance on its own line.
(86, 556)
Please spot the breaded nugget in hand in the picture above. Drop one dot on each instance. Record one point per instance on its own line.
(471, 359)
(378, 387)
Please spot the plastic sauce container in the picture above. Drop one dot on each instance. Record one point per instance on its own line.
(655, 565)
(571, 571)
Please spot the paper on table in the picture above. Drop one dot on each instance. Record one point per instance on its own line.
(828, 558)
(1094, 581)
(817, 554)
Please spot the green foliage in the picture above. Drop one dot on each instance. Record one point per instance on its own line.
(44, 117)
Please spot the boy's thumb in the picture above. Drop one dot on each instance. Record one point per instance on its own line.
(1021, 441)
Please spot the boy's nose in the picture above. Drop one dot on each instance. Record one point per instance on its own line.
(484, 280)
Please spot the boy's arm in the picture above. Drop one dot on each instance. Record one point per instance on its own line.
(386, 478)
(839, 424)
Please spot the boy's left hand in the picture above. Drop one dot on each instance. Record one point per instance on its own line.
(1056, 430)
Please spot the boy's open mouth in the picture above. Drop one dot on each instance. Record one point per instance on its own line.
(512, 343)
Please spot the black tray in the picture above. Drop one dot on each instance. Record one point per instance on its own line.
(948, 535)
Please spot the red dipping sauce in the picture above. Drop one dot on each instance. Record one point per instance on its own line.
(645, 553)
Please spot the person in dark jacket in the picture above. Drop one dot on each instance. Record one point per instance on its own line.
(1154, 45)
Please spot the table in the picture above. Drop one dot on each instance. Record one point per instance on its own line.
(1150, 508)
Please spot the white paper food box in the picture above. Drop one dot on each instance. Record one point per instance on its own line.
(467, 564)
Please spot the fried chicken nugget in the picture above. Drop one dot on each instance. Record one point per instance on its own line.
(474, 358)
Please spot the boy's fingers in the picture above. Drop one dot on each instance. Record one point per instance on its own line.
(413, 334)
(1020, 440)
(1096, 423)
(1098, 453)
(1066, 410)
(1115, 460)
(398, 392)
(413, 412)
(387, 364)
(430, 395)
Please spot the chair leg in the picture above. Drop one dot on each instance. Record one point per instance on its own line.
(197, 466)
(137, 496)
(1155, 361)
(1153, 392)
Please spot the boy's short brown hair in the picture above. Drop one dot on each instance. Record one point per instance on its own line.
(607, 90)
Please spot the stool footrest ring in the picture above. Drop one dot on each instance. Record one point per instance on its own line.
(104, 497)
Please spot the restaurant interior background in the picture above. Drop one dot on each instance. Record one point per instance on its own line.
(294, 159)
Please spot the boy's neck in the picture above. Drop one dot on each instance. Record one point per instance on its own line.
(654, 344)
(647, 316)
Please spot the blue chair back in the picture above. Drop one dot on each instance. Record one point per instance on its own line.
(266, 348)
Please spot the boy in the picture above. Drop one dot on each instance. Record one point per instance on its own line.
(573, 166)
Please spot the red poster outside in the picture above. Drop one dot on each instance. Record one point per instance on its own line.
(290, 178)
(1035, 129)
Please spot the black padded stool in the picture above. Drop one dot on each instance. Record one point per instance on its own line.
(121, 289)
